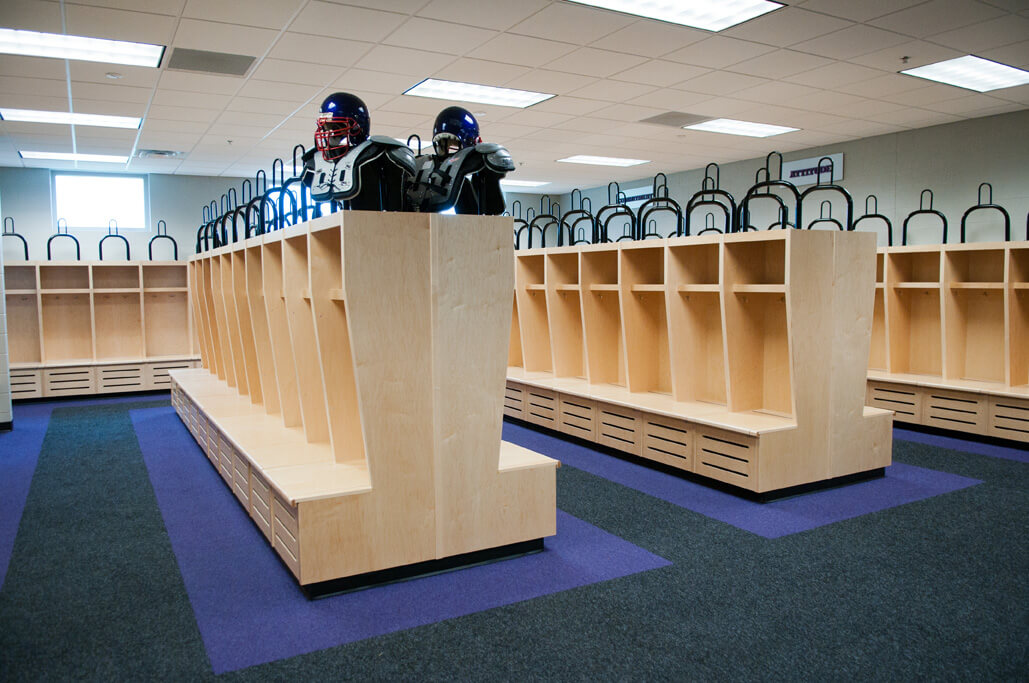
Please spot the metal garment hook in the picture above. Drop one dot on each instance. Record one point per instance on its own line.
(873, 212)
(9, 232)
(980, 206)
(113, 225)
(162, 236)
(62, 223)
(922, 210)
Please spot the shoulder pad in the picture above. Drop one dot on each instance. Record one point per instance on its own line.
(499, 160)
(386, 141)
(403, 156)
(487, 147)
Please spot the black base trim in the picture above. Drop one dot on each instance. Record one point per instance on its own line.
(347, 584)
(957, 434)
(763, 497)
(6, 426)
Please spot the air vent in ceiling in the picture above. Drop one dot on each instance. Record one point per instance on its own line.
(158, 154)
(210, 62)
(676, 119)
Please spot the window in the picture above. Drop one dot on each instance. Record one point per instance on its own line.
(92, 201)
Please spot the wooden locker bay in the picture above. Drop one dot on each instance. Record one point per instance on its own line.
(351, 392)
(81, 327)
(950, 339)
(741, 358)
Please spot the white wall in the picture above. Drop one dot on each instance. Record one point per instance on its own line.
(951, 160)
(176, 199)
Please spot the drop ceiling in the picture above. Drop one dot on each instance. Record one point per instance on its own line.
(827, 67)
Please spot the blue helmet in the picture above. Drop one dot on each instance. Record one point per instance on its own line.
(343, 123)
(455, 126)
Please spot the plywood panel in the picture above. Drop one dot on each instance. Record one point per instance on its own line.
(167, 323)
(23, 328)
(300, 319)
(244, 329)
(278, 334)
(259, 330)
(235, 342)
(67, 327)
(119, 325)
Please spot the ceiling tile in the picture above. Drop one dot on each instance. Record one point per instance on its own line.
(965, 105)
(495, 14)
(109, 107)
(364, 81)
(613, 91)
(881, 86)
(113, 24)
(918, 52)
(199, 83)
(1013, 55)
(864, 108)
(400, 60)
(174, 141)
(261, 14)
(721, 107)
(586, 124)
(827, 100)
(718, 52)
(481, 71)
(671, 100)
(437, 36)
(541, 119)
(660, 73)
(31, 101)
(238, 40)
(32, 67)
(96, 72)
(851, 42)
(260, 119)
(341, 21)
(164, 111)
(930, 94)
(986, 35)
(857, 11)
(301, 47)
(786, 26)
(564, 104)
(651, 38)
(31, 15)
(721, 83)
(290, 92)
(33, 86)
(286, 71)
(522, 50)
(160, 125)
(114, 93)
(780, 64)
(627, 112)
(593, 62)
(557, 82)
(572, 23)
(775, 92)
(860, 129)
(937, 16)
(834, 74)
(169, 7)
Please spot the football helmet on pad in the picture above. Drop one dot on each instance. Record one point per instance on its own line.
(344, 123)
(455, 129)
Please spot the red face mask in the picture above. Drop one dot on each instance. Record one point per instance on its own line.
(332, 137)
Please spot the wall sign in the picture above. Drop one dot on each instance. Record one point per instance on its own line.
(805, 171)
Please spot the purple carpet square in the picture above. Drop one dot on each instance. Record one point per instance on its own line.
(249, 608)
(902, 484)
(954, 443)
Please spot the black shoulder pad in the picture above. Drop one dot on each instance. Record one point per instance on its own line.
(487, 147)
(386, 141)
(499, 160)
(403, 157)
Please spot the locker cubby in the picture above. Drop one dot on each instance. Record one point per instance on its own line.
(297, 293)
(514, 349)
(976, 266)
(759, 354)
(757, 263)
(1020, 265)
(63, 277)
(564, 313)
(67, 328)
(693, 265)
(119, 330)
(914, 267)
(643, 266)
(880, 268)
(877, 353)
(23, 328)
(602, 317)
(20, 277)
(166, 315)
(164, 277)
(695, 324)
(645, 320)
(915, 331)
(530, 273)
(115, 277)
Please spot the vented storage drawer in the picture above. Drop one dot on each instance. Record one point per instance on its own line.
(1009, 418)
(70, 381)
(115, 378)
(619, 428)
(577, 417)
(726, 456)
(514, 401)
(26, 384)
(668, 441)
(157, 373)
(541, 407)
(904, 400)
(955, 410)
(285, 534)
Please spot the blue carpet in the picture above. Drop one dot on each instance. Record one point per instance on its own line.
(249, 608)
(902, 484)
(1017, 453)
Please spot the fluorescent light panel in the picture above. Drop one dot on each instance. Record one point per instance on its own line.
(972, 73)
(76, 119)
(734, 127)
(603, 161)
(711, 15)
(524, 183)
(68, 156)
(59, 46)
(471, 92)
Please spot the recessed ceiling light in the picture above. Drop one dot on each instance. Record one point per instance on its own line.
(472, 92)
(524, 183)
(972, 73)
(70, 118)
(60, 46)
(68, 156)
(734, 127)
(113, 75)
(603, 161)
(711, 15)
